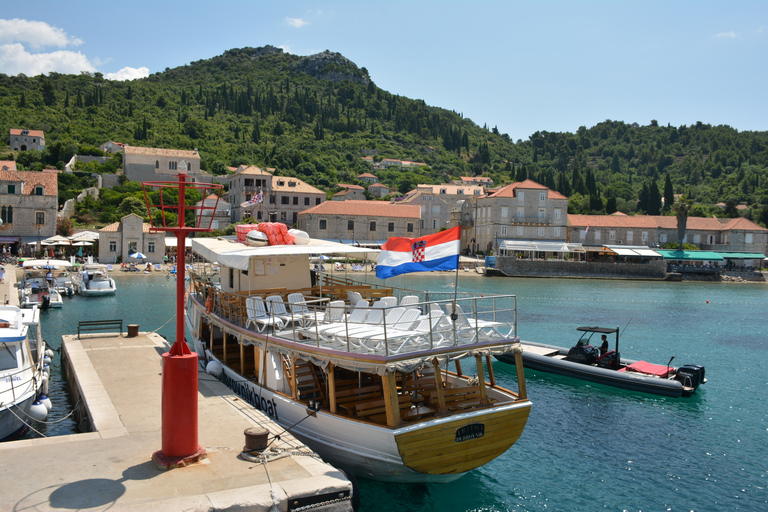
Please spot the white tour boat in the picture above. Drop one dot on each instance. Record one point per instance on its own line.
(402, 390)
(93, 280)
(44, 282)
(24, 368)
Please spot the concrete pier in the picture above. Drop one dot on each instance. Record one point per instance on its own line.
(117, 381)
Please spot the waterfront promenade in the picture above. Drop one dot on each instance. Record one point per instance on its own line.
(118, 381)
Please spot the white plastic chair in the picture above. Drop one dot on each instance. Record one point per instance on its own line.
(258, 316)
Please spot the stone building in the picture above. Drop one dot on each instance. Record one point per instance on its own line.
(28, 203)
(366, 222)
(217, 212)
(436, 203)
(378, 190)
(349, 192)
(157, 164)
(119, 240)
(275, 198)
(26, 140)
(524, 210)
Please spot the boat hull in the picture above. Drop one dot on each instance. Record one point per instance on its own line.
(98, 292)
(11, 425)
(625, 380)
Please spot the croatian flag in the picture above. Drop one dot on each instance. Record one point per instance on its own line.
(402, 255)
(256, 199)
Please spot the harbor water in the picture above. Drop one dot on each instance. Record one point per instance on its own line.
(586, 446)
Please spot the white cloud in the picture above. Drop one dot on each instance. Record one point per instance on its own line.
(286, 48)
(36, 34)
(730, 35)
(128, 73)
(296, 22)
(15, 59)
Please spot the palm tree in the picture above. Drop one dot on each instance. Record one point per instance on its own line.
(681, 207)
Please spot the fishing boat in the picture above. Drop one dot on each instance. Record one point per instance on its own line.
(94, 281)
(401, 390)
(23, 371)
(601, 364)
(44, 282)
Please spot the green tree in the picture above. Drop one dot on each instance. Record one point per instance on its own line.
(669, 194)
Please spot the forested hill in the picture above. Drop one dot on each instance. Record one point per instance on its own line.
(313, 117)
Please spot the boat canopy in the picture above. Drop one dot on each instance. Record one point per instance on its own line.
(633, 250)
(742, 255)
(47, 263)
(237, 255)
(601, 330)
(539, 246)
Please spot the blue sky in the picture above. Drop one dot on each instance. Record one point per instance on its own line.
(520, 66)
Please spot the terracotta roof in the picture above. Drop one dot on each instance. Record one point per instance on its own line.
(298, 186)
(660, 221)
(472, 179)
(115, 226)
(351, 187)
(48, 179)
(366, 209)
(378, 185)
(467, 190)
(7, 165)
(619, 214)
(252, 169)
(177, 153)
(30, 133)
(366, 174)
(511, 190)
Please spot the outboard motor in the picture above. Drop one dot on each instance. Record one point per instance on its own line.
(691, 375)
(586, 354)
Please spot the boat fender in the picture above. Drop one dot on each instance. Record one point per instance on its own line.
(47, 360)
(355, 488)
(44, 399)
(38, 411)
(208, 304)
(44, 384)
(50, 353)
(214, 368)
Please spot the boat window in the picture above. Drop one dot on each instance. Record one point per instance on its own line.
(8, 357)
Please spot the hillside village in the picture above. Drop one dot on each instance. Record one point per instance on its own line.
(522, 220)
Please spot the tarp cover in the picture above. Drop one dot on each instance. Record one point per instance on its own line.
(690, 255)
(647, 368)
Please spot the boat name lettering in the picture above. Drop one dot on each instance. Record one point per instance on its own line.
(247, 393)
(471, 431)
(14, 378)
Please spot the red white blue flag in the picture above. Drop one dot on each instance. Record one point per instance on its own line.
(402, 255)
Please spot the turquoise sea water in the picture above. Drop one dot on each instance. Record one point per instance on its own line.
(586, 446)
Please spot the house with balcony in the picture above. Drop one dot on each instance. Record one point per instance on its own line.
(26, 140)
(523, 210)
(363, 222)
(256, 193)
(437, 202)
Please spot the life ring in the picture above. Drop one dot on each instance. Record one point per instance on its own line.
(208, 304)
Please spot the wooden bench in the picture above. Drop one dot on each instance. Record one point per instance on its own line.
(98, 326)
(347, 397)
(458, 398)
(378, 406)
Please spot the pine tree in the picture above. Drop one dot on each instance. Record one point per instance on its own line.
(669, 195)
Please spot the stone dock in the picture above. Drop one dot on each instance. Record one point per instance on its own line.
(117, 380)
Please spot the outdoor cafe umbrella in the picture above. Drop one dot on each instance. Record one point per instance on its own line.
(138, 255)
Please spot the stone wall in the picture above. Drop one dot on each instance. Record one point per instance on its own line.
(512, 266)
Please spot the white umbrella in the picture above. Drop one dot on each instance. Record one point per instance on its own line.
(80, 244)
(137, 255)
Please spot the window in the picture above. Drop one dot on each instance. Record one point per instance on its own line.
(410, 227)
(11, 189)
(296, 200)
(663, 239)
(421, 224)
(520, 212)
(272, 199)
(39, 217)
(247, 198)
(697, 239)
(504, 230)
(542, 212)
(520, 195)
(504, 212)
(443, 191)
(248, 182)
(323, 224)
(317, 200)
(434, 223)
(519, 230)
(557, 231)
(645, 236)
(436, 209)
(150, 246)
(583, 234)
(280, 183)
(372, 227)
(172, 165)
(283, 216)
(597, 234)
(630, 236)
(460, 192)
(748, 238)
(285, 200)
(541, 231)
(542, 197)
(291, 183)
(231, 278)
(350, 225)
(157, 164)
(132, 247)
(557, 213)
(39, 190)
(391, 227)
(258, 215)
(306, 201)
(6, 214)
(612, 235)
(112, 246)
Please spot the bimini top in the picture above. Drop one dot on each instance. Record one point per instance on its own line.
(237, 255)
(47, 263)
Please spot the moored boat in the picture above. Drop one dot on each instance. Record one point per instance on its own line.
(23, 371)
(93, 281)
(600, 364)
(44, 282)
(377, 389)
